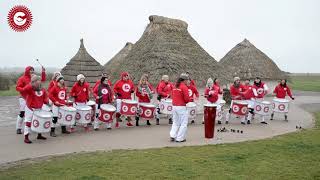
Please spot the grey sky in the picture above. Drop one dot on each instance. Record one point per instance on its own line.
(287, 31)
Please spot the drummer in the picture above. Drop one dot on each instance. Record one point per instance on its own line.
(235, 90)
(80, 92)
(58, 95)
(193, 93)
(144, 92)
(281, 91)
(36, 96)
(260, 89)
(249, 96)
(211, 94)
(164, 90)
(180, 97)
(103, 95)
(104, 74)
(53, 80)
(123, 89)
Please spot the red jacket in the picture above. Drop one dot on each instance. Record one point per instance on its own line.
(123, 89)
(80, 92)
(58, 94)
(51, 84)
(214, 96)
(26, 79)
(218, 88)
(261, 90)
(164, 89)
(99, 82)
(180, 95)
(248, 93)
(107, 95)
(35, 99)
(236, 92)
(282, 91)
(143, 95)
(246, 87)
(192, 91)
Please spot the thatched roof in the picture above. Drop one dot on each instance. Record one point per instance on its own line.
(117, 59)
(247, 61)
(166, 47)
(82, 63)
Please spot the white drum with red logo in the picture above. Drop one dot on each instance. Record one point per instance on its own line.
(128, 107)
(280, 105)
(41, 121)
(106, 112)
(92, 104)
(147, 110)
(83, 115)
(262, 108)
(166, 106)
(191, 107)
(66, 115)
(239, 107)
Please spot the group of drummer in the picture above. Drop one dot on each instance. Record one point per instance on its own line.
(173, 100)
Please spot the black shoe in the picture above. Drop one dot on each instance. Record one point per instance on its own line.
(248, 122)
(172, 139)
(64, 130)
(137, 121)
(53, 134)
(271, 117)
(41, 137)
(148, 123)
(285, 117)
(202, 122)
(219, 122)
(96, 129)
(192, 122)
(227, 122)
(170, 121)
(243, 123)
(263, 122)
(181, 141)
(157, 121)
(109, 128)
(19, 131)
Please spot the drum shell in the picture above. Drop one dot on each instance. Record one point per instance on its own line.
(66, 115)
(129, 107)
(166, 106)
(107, 113)
(280, 105)
(262, 108)
(41, 121)
(192, 109)
(239, 108)
(83, 115)
(209, 120)
(147, 111)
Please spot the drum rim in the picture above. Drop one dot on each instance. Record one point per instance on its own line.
(88, 108)
(68, 108)
(281, 100)
(210, 105)
(102, 105)
(130, 101)
(147, 105)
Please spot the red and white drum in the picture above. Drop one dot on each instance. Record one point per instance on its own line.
(83, 115)
(106, 112)
(128, 107)
(166, 106)
(41, 121)
(92, 104)
(239, 107)
(66, 115)
(262, 108)
(147, 110)
(192, 108)
(280, 105)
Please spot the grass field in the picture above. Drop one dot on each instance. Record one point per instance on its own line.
(11, 92)
(291, 156)
(305, 83)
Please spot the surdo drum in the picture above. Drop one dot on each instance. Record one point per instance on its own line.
(66, 115)
(92, 104)
(83, 115)
(262, 108)
(280, 105)
(41, 121)
(128, 107)
(239, 107)
(147, 110)
(191, 107)
(106, 113)
(166, 106)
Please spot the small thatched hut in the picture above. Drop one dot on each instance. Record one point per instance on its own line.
(166, 47)
(117, 59)
(82, 63)
(247, 61)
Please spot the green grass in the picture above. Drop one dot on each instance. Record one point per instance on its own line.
(306, 83)
(291, 156)
(11, 92)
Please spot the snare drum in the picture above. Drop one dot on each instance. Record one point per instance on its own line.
(128, 107)
(239, 107)
(262, 108)
(66, 115)
(166, 106)
(147, 110)
(280, 105)
(83, 115)
(191, 107)
(41, 121)
(106, 112)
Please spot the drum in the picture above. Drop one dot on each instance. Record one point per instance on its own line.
(66, 115)
(92, 104)
(262, 108)
(128, 107)
(239, 107)
(166, 106)
(191, 107)
(222, 102)
(69, 103)
(280, 105)
(41, 121)
(46, 108)
(106, 112)
(209, 119)
(147, 110)
(83, 115)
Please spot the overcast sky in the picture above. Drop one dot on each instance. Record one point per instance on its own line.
(288, 31)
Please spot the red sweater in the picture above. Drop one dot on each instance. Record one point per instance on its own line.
(236, 92)
(248, 93)
(192, 91)
(35, 99)
(80, 92)
(164, 89)
(26, 79)
(180, 95)
(58, 94)
(260, 90)
(214, 96)
(143, 95)
(107, 95)
(123, 89)
(51, 84)
(218, 88)
(282, 91)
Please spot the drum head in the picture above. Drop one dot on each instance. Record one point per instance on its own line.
(108, 107)
(191, 104)
(240, 102)
(266, 102)
(83, 108)
(67, 108)
(281, 100)
(43, 114)
(130, 101)
(222, 102)
(210, 105)
(147, 105)
(91, 103)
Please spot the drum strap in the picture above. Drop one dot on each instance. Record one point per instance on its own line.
(150, 95)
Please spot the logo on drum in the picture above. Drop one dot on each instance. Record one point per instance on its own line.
(69, 117)
(273, 105)
(260, 91)
(87, 116)
(244, 110)
(169, 108)
(78, 116)
(266, 109)
(59, 115)
(235, 108)
(46, 125)
(106, 117)
(281, 107)
(193, 112)
(258, 108)
(104, 91)
(62, 95)
(162, 107)
(148, 113)
(124, 108)
(126, 87)
(219, 114)
(133, 109)
(35, 123)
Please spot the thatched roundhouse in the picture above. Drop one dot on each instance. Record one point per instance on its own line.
(117, 59)
(166, 47)
(82, 63)
(247, 61)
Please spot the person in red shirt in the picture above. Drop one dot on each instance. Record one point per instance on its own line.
(192, 82)
(164, 90)
(103, 95)
(281, 91)
(211, 93)
(246, 85)
(249, 96)
(99, 81)
(144, 92)
(123, 89)
(21, 83)
(180, 97)
(193, 93)
(53, 80)
(58, 97)
(80, 92)
(260, 89)
(36, 96)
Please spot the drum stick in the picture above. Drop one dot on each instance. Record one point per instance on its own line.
(39, 62)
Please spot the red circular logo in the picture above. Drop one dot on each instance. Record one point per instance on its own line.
(281, 107)
(266, 109)
(192, 112)
(87, 116)
(35, 123)
(258, 108)
(59, 115)
(169, 108)
(162, 107)
(46, 125)
(68, 117)
(19, 18)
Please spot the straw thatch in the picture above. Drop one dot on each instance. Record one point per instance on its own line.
(82, 63)
(247, 61)
(166, 47)
(117, 59)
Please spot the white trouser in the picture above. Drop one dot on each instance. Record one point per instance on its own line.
(28, 119)
(22, 106)
(180, 123)
(55, 112)
(97, 122)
